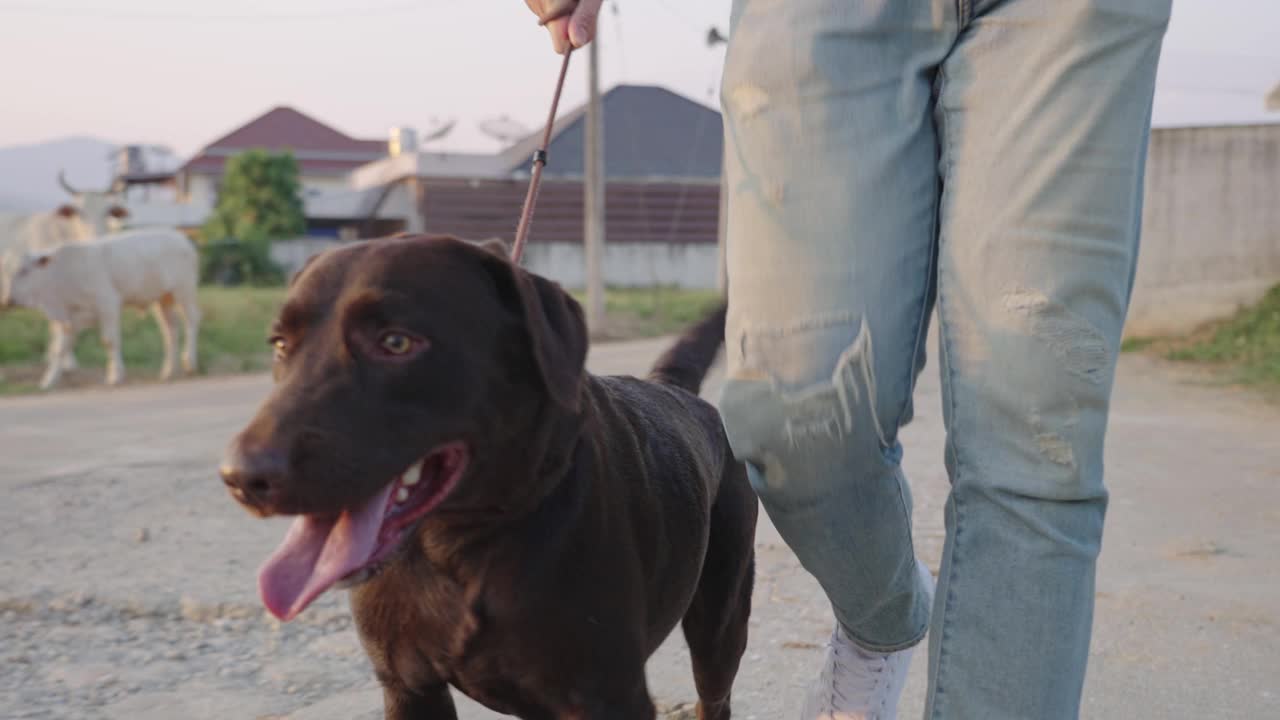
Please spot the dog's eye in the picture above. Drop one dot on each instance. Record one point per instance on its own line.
(278, 345)
(395, 343)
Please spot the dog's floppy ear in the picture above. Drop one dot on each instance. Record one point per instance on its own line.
(495, 245)
(556, 328)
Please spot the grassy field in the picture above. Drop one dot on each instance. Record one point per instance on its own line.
(233, 332)
(1244, 349)
(648, 312)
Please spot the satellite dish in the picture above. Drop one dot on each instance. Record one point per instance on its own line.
(439, 131)
(504, 129)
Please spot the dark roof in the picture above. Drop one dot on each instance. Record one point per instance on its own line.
(318, 148)
(649, 132)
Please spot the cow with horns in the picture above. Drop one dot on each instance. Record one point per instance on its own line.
(89, 214)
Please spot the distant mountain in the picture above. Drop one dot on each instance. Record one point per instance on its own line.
(29, 173)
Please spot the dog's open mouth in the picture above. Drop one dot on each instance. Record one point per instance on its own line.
(320, 551)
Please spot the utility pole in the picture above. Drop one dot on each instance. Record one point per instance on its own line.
(714, 38)
(593, 199)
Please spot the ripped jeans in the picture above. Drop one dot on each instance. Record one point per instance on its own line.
(986, 157)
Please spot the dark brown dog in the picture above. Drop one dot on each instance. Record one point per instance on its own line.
(512, 525)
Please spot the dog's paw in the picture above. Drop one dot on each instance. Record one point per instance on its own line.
(678, 711)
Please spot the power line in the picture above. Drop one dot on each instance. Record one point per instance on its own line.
(100, 13)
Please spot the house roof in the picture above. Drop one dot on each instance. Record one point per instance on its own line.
(650, 132)
(318, 148)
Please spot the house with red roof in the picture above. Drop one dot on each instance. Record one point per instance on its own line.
(325, 155)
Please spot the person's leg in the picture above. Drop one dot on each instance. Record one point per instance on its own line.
(833, 189)
(1044, 108)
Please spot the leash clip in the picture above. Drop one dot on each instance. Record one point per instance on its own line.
(539, 161)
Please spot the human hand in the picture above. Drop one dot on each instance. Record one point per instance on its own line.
(572, 23)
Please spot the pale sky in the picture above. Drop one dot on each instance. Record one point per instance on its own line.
(182, 72)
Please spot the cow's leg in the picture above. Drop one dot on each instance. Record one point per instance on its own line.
(164, 313)
(66, 356)
(60, 336)
(189, 307)
(109, 329)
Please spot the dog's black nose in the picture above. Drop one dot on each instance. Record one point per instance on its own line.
(254, 475)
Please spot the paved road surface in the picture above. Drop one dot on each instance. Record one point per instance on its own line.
(127, 575)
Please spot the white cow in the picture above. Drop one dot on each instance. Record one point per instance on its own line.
(22, 234)
(100, 209)
(79, 284)
(90, 214)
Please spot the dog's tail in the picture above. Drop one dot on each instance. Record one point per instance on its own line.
(686, 363)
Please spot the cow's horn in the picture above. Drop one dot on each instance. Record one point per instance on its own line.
(62, 180)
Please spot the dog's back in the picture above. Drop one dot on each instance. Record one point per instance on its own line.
(664, 412)
(668, 455)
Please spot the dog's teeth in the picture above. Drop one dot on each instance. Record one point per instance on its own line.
(412, 475)
(402, 494)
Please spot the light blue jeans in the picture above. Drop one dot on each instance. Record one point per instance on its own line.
(988, 155)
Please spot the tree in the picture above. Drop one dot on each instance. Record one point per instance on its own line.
(260, 201)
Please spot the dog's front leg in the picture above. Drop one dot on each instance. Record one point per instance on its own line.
(433, 704)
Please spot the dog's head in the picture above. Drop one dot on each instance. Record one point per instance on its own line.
(401, 366)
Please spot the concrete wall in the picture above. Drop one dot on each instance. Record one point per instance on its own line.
(625, 264)
(290, 255)
(201, 190)
(1211, 226)
(162, 213)
(628, 264)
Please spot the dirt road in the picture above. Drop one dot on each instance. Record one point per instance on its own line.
(127, 576)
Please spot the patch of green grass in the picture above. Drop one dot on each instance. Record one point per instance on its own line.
(232, 334)
(1136, 344)
(648, 312)
(23, 336)
(1246, 345)
(233, 331)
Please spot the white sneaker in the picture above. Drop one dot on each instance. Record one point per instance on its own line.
(858, 684)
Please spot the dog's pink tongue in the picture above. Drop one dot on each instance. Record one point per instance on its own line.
(318, 552)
